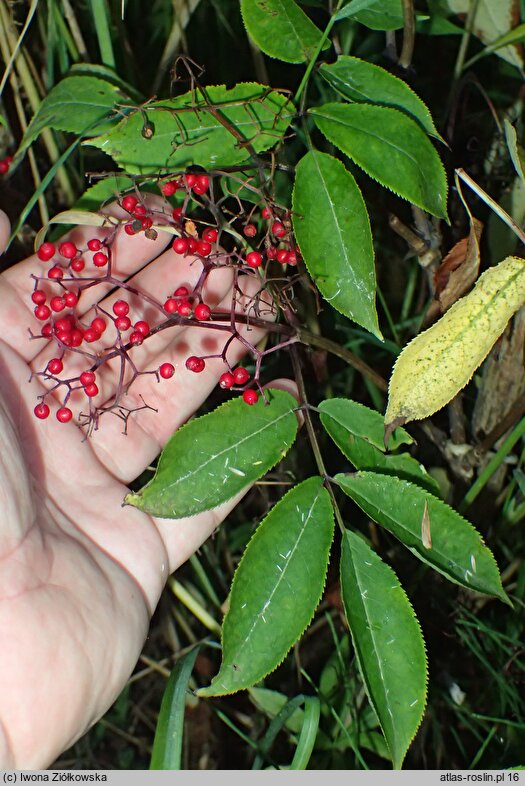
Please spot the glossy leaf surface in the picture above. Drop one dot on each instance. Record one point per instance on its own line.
(281, 29)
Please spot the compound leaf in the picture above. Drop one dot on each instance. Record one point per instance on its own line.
(333, 231)
(439, 362)
(364, 82)
(281, 29)
(195, 128)
(457, 549)
(276, 588)
(214, 457)
(390, 147)
(388, 643)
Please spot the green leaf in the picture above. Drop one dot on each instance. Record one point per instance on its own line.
(190, 129)
(375, 14)
(281, 29)
(457, 550)
(388, 643)
(105, 190)
(167, 745)
(77, 104)
(308, 735)
(276, 588)
(357, 432)
(391, 148)
(333, 231)
(364, 82)
(516, 151)
(214, 457)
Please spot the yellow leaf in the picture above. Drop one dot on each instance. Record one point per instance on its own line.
(438, 363)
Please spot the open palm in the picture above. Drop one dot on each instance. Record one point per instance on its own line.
(80, 575)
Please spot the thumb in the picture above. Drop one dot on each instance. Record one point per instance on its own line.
(5, 231)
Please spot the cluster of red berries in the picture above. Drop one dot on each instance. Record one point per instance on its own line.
(5, 163)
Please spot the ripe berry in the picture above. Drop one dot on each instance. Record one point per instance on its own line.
(180, 245)
(166, 370)
(142, 327)
(91, 390)
(210, 234)
(78, 265)
(250, 230)
(94, 244)
(140, 211)
(203, 248)
(122, 323)
(282, 256)
(195, 364)
(266, 212)
(241, 376)
(254, 259)
(5, 163)
(75, 338)
(41, 411)
(87, 378)
(181, 292)
(46, 251)
(38, 297)
(136, 338)
(70, 299)
(47, 330)
(202, 312)
(129, 203)
(120, 308)
(190, 180)
(55, 273)
(99, 324)
(171, 306)
(55, 366)
(67, 249)
(100, 259)
(226, 380)
(177, 214)
(57, 303)
(129, 229)
(250, 396)
(42, 312)
(64, 414)
(65, 324)
(292, 258)
(202, 184)
(169, 188)
(278, 229)
(192, 245)
(91, 335)
(184, 308)
(271, 252)
(146, 223)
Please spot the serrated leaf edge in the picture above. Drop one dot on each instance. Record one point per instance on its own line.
(366, 409)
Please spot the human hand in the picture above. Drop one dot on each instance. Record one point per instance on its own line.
(80, 575)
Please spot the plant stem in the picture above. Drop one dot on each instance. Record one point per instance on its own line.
(409, 30)
(491, 203)
(313, 59)
(182, 594)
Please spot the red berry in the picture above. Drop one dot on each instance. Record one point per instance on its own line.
(122, 323)
(55, 366)
(91, 390)
(171, 306)
(292, 258)
(202, 312)
(192, 245)
(129, 229)
(184, 308)
(241, 376)
(203, 248)
(42, 312)
(254, 259)
(250, 230)
(57, 303)
(180, 245)
(146, 223)
(190, 180)
(67, 249)
(47, 330)
(250, 396)
(129, 203)
(266, 212)
(181, 292)
(195, 364)
(4, 167)
(87, 378)
(94, 244)
(278, 229)
(78, 265)
(64, 415)
(202, 184)
(210, 234)
(136, 338)
(64, 337)
(166, 370)
(46, 251)
(120, 308)
(282, 256)
(99, 324)
(91, 335)
(140, 211)
(226, 380)
(65, 324)
(70, 299)
(142, 327)
(75, 337)
(177, 214)
(271, 252)
(55, 273)
(38, 297)
(169, 188)
(100, 259)
(41, 411)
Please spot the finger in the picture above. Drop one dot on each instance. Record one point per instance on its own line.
(5, 231)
